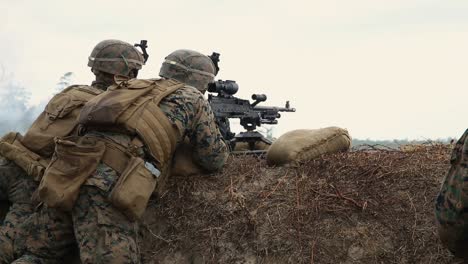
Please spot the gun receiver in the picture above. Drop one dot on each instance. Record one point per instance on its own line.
(226, 106)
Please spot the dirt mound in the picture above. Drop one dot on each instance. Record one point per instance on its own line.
(366, 206)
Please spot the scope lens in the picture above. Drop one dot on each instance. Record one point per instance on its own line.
(220, 86)
(231, 87)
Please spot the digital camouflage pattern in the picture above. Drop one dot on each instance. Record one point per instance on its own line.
(452, 202)
(109, 56)
(103, 233)
(17, 188)
(115, 57)
(192, 114)
(189, 67)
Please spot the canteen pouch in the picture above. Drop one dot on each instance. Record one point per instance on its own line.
(74, 160)
(134, 187)
(33, 164)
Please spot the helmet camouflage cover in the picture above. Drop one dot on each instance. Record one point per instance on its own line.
(190, 67)
(115, 57)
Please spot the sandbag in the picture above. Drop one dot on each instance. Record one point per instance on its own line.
(244, 146)
(303, 144)
(182, 163)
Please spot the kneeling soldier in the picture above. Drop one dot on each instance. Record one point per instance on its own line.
(24, 158)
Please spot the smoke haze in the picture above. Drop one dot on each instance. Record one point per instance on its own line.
(16, 111)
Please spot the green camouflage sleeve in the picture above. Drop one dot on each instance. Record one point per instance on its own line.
(452, 200)
(191, 113)
(210, 150)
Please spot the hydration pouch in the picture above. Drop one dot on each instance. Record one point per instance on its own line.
(59, 119)
(74, 160)
(134, 187)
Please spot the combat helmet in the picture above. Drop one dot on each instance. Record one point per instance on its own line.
(115, 57)
(190, 67)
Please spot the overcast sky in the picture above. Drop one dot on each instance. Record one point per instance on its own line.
(380, 68)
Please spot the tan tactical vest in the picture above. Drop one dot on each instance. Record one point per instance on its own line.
(132, 107)
(58, 119)
(32, 151)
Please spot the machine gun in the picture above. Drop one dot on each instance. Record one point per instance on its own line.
(226, 106)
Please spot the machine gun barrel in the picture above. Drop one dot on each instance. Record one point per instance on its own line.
(268, 122)
(274, 108)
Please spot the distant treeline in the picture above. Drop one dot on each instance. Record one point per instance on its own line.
(395, 143)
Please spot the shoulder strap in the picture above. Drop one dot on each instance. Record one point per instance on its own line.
(151, 123)
(83, 88)
(169, 87)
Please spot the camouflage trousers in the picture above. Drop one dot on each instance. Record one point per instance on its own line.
(455, 239)
(103, 233)
(451, 207)
(16, 188)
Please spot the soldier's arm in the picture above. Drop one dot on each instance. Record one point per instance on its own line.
(209, 149)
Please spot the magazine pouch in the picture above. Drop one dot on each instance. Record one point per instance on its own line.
(134, 188)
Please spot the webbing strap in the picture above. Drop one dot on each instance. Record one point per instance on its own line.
(166, 90)
(188, 68)
(116, 59)
(115, 156)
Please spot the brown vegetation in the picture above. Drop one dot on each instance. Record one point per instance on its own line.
(366, 206)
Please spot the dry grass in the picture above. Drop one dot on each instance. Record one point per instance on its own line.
(366, 206)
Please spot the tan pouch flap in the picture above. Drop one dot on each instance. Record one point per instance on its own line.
(11, 137)
(61, 105)
(74, 160)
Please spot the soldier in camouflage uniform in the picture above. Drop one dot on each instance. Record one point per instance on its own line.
(104, 232)
(16, 188)
(107, 59)
(452, 202)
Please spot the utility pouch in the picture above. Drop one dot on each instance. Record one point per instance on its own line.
(74, 160)
(11, 148)
(134, 188)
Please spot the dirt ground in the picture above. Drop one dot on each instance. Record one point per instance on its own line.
(366, 206)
